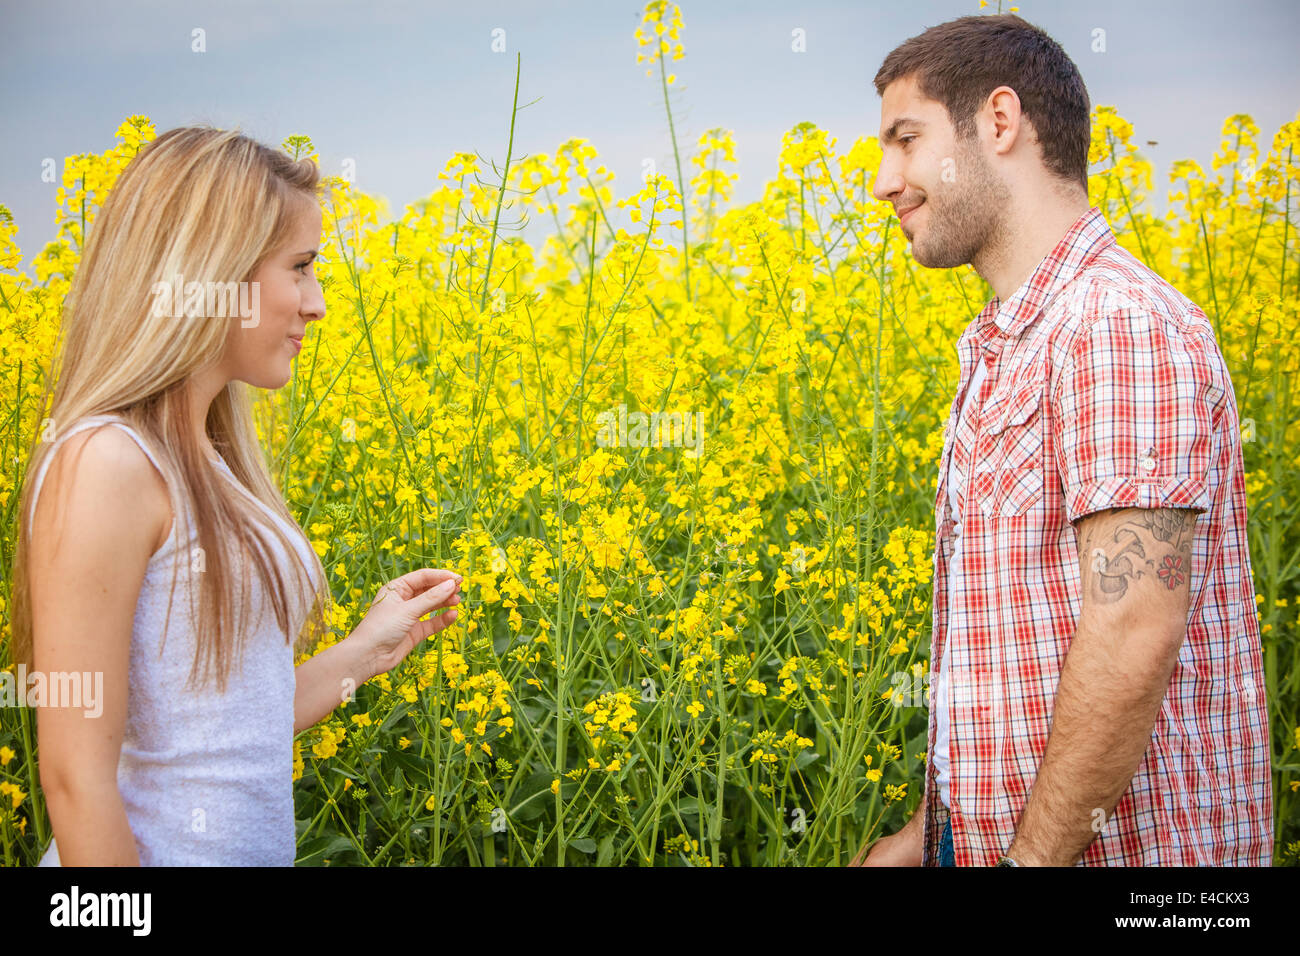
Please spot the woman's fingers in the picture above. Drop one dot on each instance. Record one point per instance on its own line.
(431, 626)
(429, 577)
(435, 597)
(421, 579)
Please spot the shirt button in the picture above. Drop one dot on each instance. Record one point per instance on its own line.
(956, 529)
(1147, 462)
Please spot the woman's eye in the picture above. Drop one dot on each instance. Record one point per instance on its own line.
(303, 265)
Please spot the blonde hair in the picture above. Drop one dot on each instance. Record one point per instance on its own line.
(194, 202)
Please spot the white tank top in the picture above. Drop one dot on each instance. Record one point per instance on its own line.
(938, 683)
(206, 778)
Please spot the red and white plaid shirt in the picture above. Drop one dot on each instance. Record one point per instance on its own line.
(1105, 389)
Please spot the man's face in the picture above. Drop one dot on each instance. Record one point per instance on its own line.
(949, 199)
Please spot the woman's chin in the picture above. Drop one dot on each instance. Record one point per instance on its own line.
(271, 381)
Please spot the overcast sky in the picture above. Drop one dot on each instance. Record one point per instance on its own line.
(399, 86)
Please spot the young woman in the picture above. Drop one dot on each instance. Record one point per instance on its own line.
(161, 554)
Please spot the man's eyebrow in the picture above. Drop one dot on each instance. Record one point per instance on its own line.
(891, 134)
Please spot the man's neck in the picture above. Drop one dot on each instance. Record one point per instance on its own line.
(1029, 233)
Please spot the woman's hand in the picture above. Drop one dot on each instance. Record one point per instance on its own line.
(394, 624)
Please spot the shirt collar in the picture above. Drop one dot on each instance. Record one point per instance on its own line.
(1082, 242)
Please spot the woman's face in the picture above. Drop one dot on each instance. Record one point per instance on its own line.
(260, 350)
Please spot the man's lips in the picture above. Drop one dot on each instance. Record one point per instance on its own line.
(905, 212)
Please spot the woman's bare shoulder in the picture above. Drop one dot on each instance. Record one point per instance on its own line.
(103, 473)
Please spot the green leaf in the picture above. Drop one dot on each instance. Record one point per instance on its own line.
(330, 846)
(805, 757)
(606, 850)
(400, 711)
(420, 768)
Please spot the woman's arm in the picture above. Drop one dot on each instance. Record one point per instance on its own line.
(327, 680)
(100, 516)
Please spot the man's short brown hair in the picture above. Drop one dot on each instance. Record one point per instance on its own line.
(959, 63)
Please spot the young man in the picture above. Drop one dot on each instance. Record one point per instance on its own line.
(1098, 689)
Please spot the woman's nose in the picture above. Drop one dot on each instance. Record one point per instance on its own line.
(314, 307)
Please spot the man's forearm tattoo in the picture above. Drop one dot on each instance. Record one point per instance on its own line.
(1155, 541)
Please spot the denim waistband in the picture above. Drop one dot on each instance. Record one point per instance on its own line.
(946, 854)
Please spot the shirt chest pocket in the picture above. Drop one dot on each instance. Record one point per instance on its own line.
(1009, 474)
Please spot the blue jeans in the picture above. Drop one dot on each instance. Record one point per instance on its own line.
(946, 856)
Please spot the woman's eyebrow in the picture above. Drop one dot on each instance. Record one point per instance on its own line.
(310, 253)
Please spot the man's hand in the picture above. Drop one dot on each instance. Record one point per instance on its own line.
(904, 848)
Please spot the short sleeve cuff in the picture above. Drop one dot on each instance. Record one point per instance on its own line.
(1128, 491)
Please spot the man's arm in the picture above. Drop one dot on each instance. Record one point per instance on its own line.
(1134, 571)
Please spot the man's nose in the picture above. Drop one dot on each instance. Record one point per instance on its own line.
(887, 183)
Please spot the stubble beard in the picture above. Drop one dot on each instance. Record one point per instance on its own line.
(964, 221)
